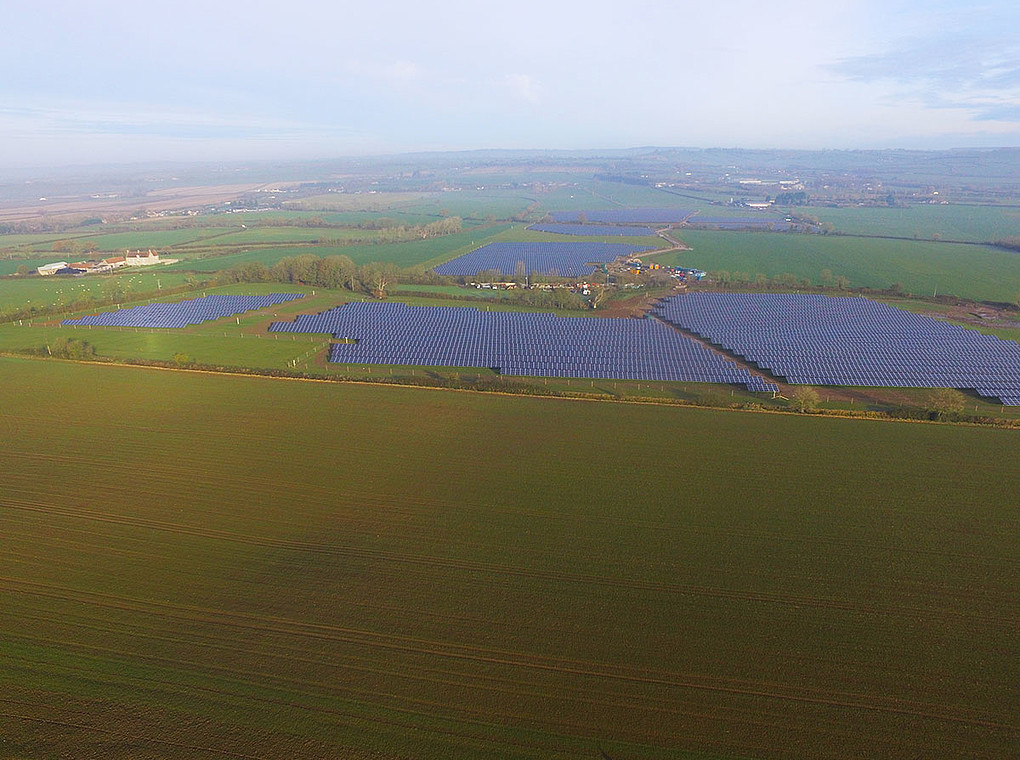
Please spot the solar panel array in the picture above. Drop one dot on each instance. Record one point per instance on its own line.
(625, 216)
(557, 259)
(739, 223)
(536, 345)
(592, 229)
(826, 340)
(182, 313)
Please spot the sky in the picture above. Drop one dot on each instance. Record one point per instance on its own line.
(120, 82)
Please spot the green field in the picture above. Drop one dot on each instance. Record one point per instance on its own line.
(203, 566)
(968, 271)
(10, 266)
(352, 218)
(287, 235)
(520, 233)
(145, 238)
(974, 224)
(588, 195)
(15, 242)
(408, 254)
(45, 292)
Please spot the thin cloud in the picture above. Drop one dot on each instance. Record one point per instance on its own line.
(979, 75)
(523, 87)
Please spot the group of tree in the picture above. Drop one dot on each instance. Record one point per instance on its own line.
(1012, 243)
(798, 198)
(71, 348)
(75, 246)
(331, 272)
(725, 278)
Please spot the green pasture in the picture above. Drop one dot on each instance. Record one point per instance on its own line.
(221, 565)
(10, 266)
(474, 204)
(973, 224)
(274, 234)
(144, 238)
(352, 218)
(232, 347)
(968, 271)
(20, 242)
(44, 292)
(375, 202)
(589, 195)
(520, 233)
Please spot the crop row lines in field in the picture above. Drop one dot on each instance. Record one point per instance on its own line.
(246, 684)
(494, 568)
(410, 645)
(119, 735)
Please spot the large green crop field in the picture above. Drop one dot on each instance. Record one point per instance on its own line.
(287, 235)
(212, 566)
(975, 224)
(589, 195)
(968, 271)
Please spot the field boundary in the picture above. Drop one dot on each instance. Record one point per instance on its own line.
(528, 392)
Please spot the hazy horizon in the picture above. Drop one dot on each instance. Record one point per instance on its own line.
(96, 84)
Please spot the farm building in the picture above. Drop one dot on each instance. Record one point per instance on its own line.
(139, 259)
(48, 269)
(115, 262)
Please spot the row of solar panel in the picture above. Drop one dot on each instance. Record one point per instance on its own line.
(524, 259)
(182, 313)
(825, 340)
(529, 344)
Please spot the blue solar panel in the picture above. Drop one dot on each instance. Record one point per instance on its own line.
(592, 229)
(538, 345)
(556, 259)
(825, 340)
(625, 216)
(182, 313)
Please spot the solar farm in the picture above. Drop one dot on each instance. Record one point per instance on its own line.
(826, 340)
(593, 229)
(525, 344)
(626, 216)
(558, 259)
(182, 313)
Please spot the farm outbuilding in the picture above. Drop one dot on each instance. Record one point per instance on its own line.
(48, 269)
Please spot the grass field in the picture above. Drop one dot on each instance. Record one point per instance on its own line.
(520, 233)
(263, 568)
(590, 195)
(408, 254)
(288, 235)
(16, 293)
(145, 238)
(974, 224)
(967, 271)
(10, 266)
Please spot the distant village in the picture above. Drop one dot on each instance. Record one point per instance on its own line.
(129, 259)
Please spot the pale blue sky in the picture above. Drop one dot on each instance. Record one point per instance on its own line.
(115, 81)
